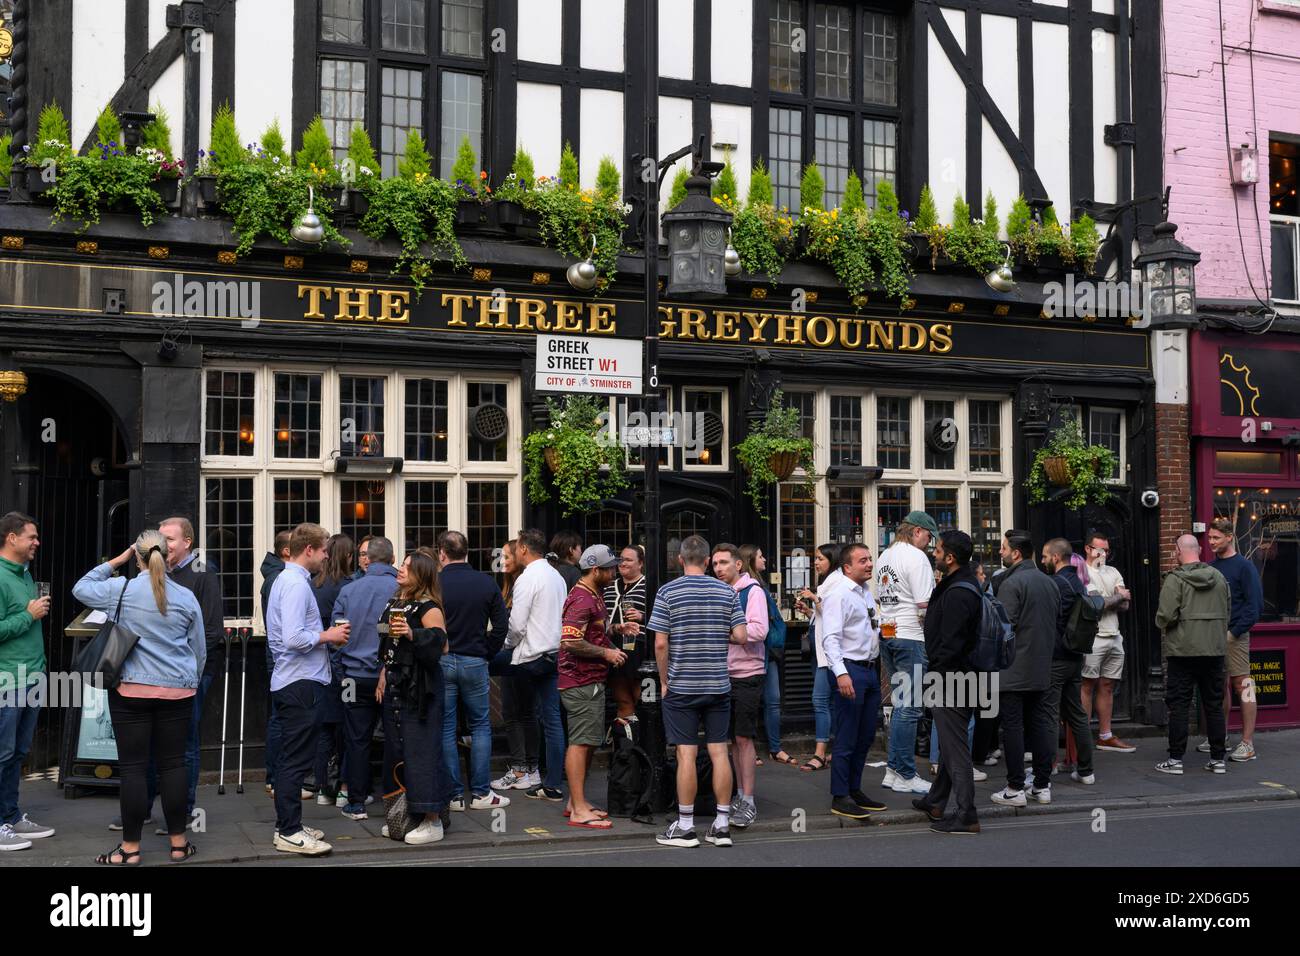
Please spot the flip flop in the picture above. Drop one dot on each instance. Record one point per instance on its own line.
(603, 814)
(596, 824)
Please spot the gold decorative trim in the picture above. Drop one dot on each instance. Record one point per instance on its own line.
(87, 246)
(359, 265)
(860, 300)
(13, 385)
(758, 292)
(541, 278)
(956, 306)
(293, 262)
(812, 297)
(1132, 320)
(227, 257)
(159, 252)
(482, 275)
(13, 243)
(1042, 314)
(909, 305)
(1089, 319)
(660, 287)
(1002, 309)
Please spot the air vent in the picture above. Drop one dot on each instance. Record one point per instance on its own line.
(489, 423)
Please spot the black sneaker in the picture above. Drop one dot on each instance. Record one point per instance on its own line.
(846, 807)
(718, 837)
(540, 792)
(676, 836)
(934, 813)
(866, 802)
(954, 825)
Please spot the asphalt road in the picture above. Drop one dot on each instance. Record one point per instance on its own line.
(1177, 837)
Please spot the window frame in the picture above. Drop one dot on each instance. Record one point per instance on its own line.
(725, 392)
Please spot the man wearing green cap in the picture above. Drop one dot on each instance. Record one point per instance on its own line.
(904, 580)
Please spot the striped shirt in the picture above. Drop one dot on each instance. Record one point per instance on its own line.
(697, 613)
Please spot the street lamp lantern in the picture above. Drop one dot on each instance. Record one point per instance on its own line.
(1169, 274)
(697, 229)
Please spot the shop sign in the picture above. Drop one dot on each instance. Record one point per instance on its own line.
(584, 363)
(1268, 672)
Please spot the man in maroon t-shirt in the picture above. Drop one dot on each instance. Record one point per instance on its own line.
(585, 659)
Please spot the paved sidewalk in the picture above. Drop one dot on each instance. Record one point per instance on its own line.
(239, 827)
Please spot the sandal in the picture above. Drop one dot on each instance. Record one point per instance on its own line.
(128, 859)
(188, 850)
(814, 763)
(758, 761)
(779, 759)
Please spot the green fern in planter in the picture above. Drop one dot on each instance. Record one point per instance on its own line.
(589, 461)
(780, 432)
(6, 161)
(53, 139)
(724, 187)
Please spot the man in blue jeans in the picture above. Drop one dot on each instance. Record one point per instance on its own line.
(469, 599)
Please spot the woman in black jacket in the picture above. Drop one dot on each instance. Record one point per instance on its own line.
(410, 687)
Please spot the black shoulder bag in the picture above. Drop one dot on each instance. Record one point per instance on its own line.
(108, 650)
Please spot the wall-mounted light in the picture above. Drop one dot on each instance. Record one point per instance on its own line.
(1001, 279)
(308, 228)
(582, 275)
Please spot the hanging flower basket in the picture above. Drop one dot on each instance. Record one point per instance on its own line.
(552, 457)
(1067, 462)
(1059, 474)
(783, 464)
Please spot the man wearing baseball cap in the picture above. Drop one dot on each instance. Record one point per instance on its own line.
(904, 581)
(585, 658)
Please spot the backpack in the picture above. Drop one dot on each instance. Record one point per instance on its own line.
(996, 647)
(1081, 625)
(775, 641)
(631, 775)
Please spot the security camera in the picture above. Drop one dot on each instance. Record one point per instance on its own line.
(1150, 498)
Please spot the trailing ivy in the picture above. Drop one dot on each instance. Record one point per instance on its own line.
(420, 211)
(779, 432)
(589, 460)
(570, 219)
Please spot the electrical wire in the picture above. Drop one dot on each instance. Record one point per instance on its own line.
(1254, 187)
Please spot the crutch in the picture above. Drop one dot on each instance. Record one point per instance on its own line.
(225, 699)
(244, 634)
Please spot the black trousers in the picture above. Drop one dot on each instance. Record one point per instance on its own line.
(146, 727)
(1065, 701)
(1027, 720)
(955, 776)
(986, 737)
(359, 719)
(1185, 674)
(298, 707)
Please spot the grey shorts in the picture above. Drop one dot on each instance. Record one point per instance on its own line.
(585, 708)
(1106, 659)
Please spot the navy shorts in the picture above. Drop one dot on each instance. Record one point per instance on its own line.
(683, 716)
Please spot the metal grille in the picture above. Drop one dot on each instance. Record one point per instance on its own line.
(879, 156)
(784, 62)
(462, 116)
(342, 100)
(426, 419)
(880, 58)
(228, 428)
(486, 393)
(401, 109)
(833, 58)
(402, 25)
(343, 21)
(785, 155)
(462, 27)
(831, 150)
(426, 513)
(985, 436)
(297, 415)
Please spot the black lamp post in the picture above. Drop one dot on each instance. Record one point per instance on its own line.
(1169, 275)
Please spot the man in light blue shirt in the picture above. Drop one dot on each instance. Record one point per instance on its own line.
(300, 675)
(851, 640)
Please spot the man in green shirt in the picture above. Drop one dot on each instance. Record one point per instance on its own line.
(22, 662)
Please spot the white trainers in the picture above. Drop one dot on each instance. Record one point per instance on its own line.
(532, 778)
(307, 794)
(891, 778)
(303, 843)
(12, 841)
(457, 804)
(980, 775)
(993, 759)
(1172, 766)
(512, 779)
(1042, 796)
(1204, 746)
(1010, 798)
(29, 829)
(1245, 751)
(325, 800)
(430, 831)
(489, 801)
(1087, 781)
(917, 784)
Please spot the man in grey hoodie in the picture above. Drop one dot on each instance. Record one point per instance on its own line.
(1193, 617)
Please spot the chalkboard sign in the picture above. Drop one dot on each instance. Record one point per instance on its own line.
(1268, 672)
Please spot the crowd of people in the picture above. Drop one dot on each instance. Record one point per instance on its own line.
(413, 645)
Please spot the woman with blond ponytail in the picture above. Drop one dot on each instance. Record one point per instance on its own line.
(151, 706)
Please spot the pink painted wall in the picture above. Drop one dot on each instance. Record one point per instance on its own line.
(1196, 157)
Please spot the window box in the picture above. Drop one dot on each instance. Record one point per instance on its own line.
(208, 192)
(469, 214)
(36, 183)
(168, 189)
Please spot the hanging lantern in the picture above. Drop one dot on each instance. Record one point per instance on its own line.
(697, 242)
(1169, 274)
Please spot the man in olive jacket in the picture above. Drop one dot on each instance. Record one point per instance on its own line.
(1193, 617)
(1031, 600)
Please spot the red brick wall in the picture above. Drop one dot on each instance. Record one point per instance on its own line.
(1173, 476)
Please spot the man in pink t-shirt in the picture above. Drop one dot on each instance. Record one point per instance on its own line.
(746, 665)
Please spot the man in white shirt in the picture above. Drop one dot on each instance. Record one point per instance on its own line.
(1104, 667)
(536, 613)
(904, 582)
(852, 645)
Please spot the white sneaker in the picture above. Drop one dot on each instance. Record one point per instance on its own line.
(303, 843)
(12, 841)
(307, 794)
(383, 831)
(323, 800)
(341, 800)
(430, 831)
(489, 801)
(1042, 796)
(1087, 781)
(891, 778)
(532, 778)
(1029, 757)
(1204, 746)
(993, 759)
(457, 804)
(1245, 751)
(917, 784)
(512, 779)
(1010, 798)
(979, 774)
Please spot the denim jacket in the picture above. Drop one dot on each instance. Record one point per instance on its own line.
(172, 650)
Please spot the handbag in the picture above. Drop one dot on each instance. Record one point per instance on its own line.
(108, 650)
(395, 815)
